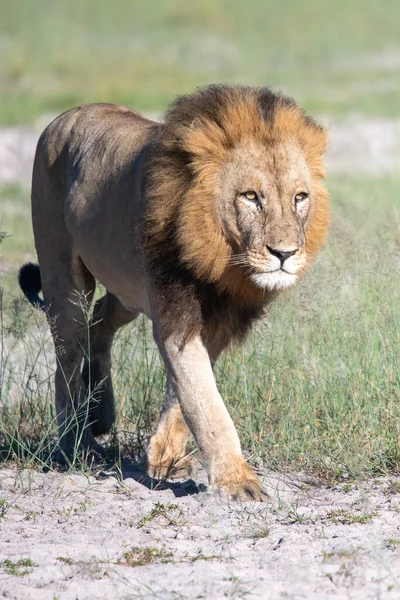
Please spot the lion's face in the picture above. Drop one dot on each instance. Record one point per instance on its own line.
(237, 185)
(265, 197)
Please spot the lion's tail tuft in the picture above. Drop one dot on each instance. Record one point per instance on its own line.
(31, 284)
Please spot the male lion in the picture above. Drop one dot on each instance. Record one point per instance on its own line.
(198, 222)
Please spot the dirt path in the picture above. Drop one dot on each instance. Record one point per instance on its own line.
(366, 145)
(77, 537)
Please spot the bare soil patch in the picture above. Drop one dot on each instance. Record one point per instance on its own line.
(368, 145)
(79, 536)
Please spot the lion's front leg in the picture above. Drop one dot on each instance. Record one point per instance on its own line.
(208, 419)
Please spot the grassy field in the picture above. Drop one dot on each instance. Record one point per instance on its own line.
(334, 57)
(316, 386)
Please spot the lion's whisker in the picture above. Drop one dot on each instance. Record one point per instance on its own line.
(238, 260)
(250, 269)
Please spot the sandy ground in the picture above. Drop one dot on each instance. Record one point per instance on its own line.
(112, 537)
(75, 536)
(366, 145)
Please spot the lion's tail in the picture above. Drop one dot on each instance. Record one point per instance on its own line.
(31, 284)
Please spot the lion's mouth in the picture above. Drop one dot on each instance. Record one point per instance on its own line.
(276, 279)
(280, 270)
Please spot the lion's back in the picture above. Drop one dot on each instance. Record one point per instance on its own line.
(93, 132)
(86, 182)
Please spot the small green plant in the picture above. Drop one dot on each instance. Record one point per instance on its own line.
(393, 487)
(294, 516)
(4, 506)
(31, 515)
(139, 557)
(81, 507)
(344, 554)
(91, 569)
(392, 543)
(18, 568)
(65, 560)
(171, 514)
(345, 517)
(201, 556)
(347, 487)
(261, 533)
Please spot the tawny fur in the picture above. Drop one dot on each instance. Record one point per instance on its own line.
(159, 214)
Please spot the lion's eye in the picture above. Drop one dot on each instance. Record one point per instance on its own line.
(251, 195)
(300, 197)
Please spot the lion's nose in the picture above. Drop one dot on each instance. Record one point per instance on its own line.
(282, 254)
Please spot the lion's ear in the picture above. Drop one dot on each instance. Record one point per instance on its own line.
(292, 122)
(315, 140)
(317, 137)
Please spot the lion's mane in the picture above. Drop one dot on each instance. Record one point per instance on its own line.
(182, 236)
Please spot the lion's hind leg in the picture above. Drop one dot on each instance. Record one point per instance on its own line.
(68, 289)
(166, 453)
(108, 316)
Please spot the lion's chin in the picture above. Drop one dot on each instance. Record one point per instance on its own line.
(275, 280)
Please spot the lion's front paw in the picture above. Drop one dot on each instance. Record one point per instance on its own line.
(172, 469)
(240, 484)
(167, 462)
(246, 491)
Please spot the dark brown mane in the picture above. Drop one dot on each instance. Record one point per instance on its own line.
(185, 249)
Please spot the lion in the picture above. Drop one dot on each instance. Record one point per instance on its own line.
(199, 222)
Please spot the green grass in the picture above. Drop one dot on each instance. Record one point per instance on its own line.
(320, 377)
(334, 57)
(18, 568)
(315, 387)
(139, 557)
(346, 517)
(169, 514)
